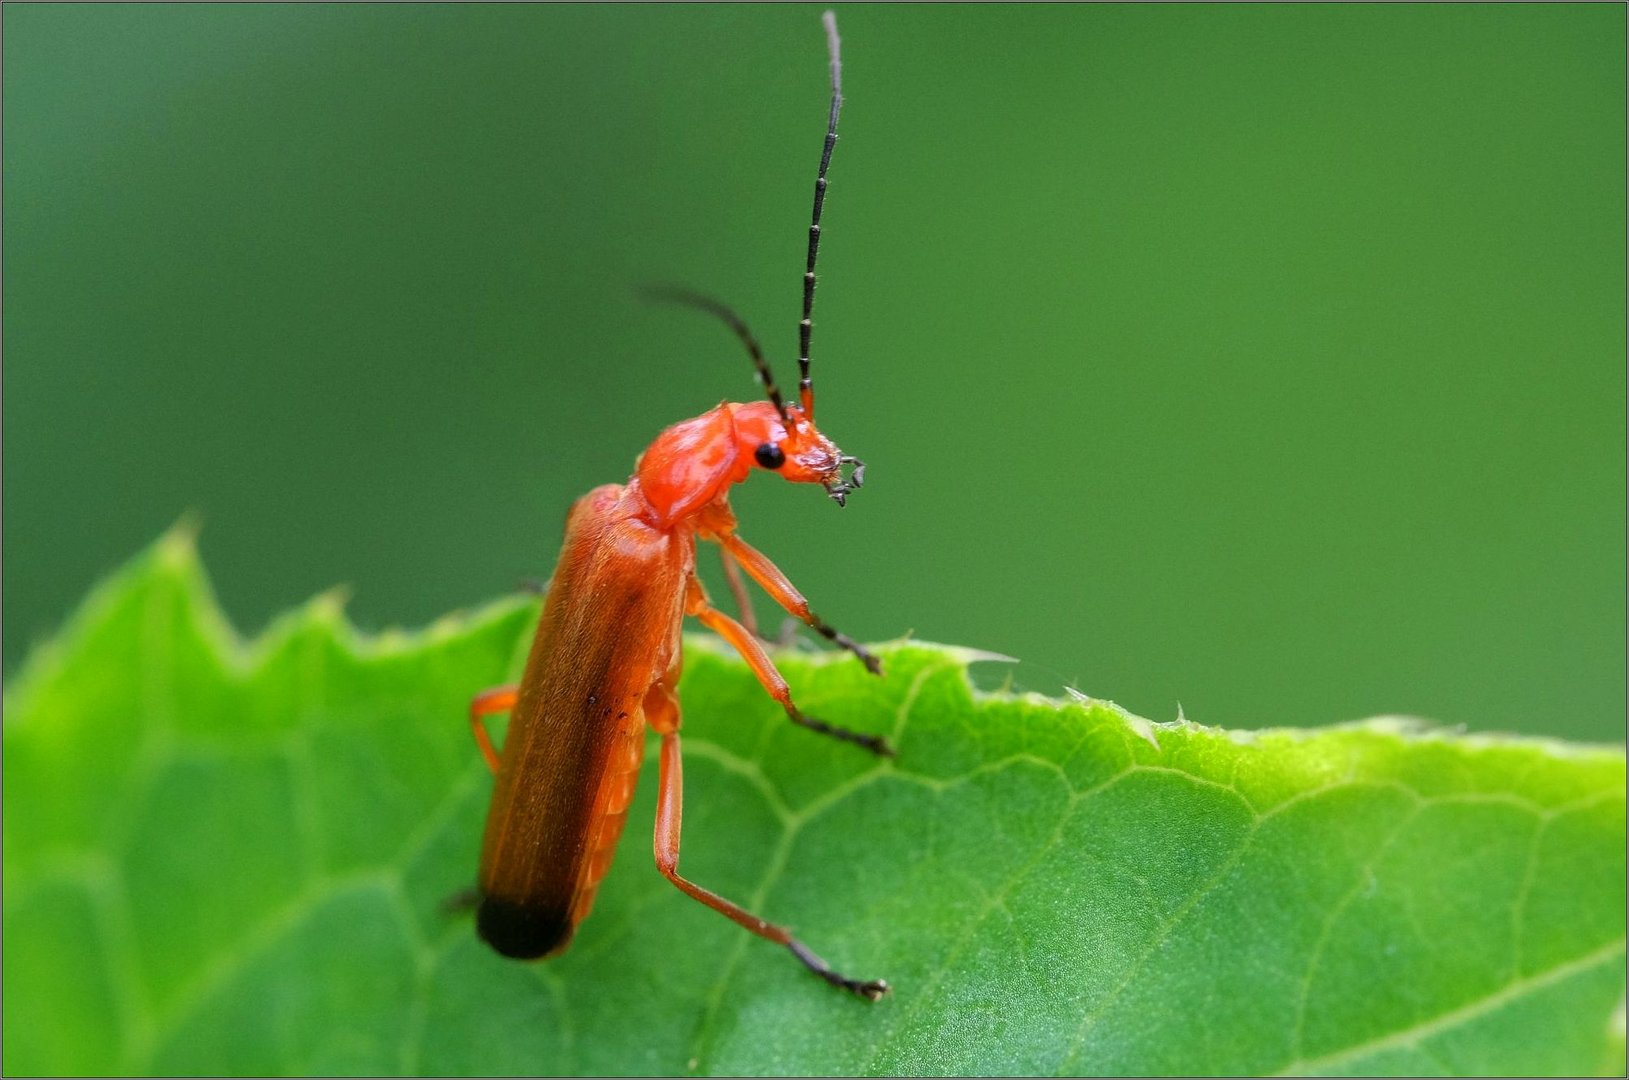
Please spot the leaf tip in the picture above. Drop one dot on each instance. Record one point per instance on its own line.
(177, 549)
(1137, 725)
(1140, 727)
(328, 606)
(966, 654)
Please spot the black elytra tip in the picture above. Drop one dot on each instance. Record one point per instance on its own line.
(522, 931)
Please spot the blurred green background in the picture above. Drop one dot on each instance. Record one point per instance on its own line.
(1266, 358)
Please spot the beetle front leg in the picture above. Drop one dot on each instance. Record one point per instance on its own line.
(743, 604)
(780, 587)
(773, 681)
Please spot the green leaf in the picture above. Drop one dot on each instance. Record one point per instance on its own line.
(223, 858)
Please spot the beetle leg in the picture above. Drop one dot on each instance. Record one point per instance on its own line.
(497, 700)
(777, 585)
(788, 631)
(669, 811)
(763, 667)
(738, 589)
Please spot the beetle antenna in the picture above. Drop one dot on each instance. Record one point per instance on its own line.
(674, 294)
(833, 47)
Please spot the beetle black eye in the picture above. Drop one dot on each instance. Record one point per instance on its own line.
(769, 456)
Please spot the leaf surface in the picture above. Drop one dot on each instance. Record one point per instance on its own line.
(229, 858)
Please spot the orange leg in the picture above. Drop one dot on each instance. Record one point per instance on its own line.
(743, 603)
(778, 586)
(497, 700)
(738, 589)
(762, 666)
(669, 811)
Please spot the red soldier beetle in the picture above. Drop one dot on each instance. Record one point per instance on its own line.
(606, 658)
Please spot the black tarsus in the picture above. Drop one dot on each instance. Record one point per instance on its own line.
(843, 641)
(870, 989)
(877, 744)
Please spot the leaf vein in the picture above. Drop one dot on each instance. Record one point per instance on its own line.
(1412, 1035)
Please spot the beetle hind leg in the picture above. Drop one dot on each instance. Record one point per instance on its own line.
(669, 811)
(870, 989)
